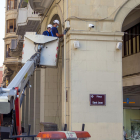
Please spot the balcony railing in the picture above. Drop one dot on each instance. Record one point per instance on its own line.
(11, 30)
(27, 20)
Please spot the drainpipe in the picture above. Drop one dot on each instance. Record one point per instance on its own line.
(65, 67)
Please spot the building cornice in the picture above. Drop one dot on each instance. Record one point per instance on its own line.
(10, 37)
(12, 63)
(84, 35)
(85, 32)
(12, 11)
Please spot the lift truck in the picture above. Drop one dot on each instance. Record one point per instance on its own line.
(38, 51)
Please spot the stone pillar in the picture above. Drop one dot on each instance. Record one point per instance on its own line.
(32, 103)
(96, 68)
(36, 101)
(42, 95)
(27, 110)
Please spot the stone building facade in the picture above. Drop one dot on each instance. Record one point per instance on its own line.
(61, 95)
(12, 59)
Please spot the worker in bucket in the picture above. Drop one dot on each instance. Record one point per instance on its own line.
(55, 30)
(48, 32)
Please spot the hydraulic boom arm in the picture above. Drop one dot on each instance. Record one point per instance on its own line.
(20, 81)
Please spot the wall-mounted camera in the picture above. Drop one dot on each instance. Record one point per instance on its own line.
(91, 26)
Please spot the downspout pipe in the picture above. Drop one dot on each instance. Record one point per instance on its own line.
(65, 121)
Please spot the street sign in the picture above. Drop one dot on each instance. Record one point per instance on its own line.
(97, 99)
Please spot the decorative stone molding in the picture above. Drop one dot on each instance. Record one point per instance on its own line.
(10, 35)
(12, 14)
(95, 36)
(124, 10)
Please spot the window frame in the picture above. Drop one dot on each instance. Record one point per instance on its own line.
(131, 41)
(9, 7)
(8, 50)
(8, 26)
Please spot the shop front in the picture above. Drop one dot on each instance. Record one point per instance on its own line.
(131, 112)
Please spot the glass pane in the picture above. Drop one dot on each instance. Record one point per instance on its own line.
(138, 44)
(11, 25)
(8, 51)
(8, 4)
(12, 4)
(126, 48)
(130, 52)
(14, 25)
(15, 6)
(133, 39)
(134, 45)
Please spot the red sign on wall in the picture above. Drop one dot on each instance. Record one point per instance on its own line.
(97, 99)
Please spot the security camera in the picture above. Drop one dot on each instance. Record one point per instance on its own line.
(91, 26)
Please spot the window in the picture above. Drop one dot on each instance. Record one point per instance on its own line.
(11, 4)
(132, 40)
(8, 51)
(11, 25)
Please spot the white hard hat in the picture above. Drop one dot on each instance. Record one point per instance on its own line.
(49, 26)
(56, 21)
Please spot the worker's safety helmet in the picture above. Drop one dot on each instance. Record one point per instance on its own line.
(56, 21)
(49, 26)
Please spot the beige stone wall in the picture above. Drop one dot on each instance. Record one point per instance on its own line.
(96, 68)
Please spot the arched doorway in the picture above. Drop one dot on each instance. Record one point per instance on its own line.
(131, 73)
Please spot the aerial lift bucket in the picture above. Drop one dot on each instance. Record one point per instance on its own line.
(49, 53)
